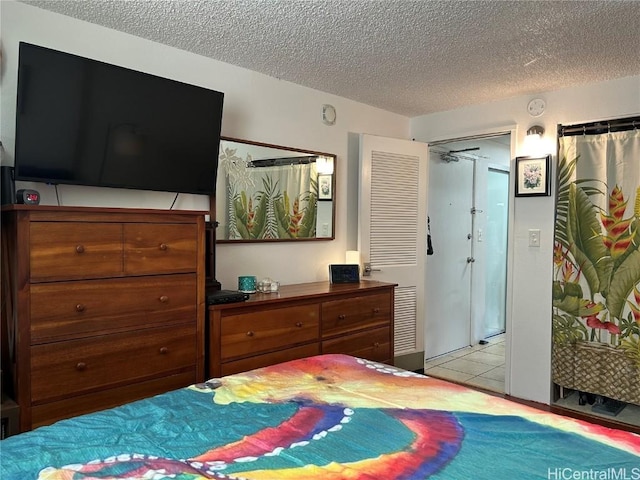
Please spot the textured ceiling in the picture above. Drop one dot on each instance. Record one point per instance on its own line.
(408, 57)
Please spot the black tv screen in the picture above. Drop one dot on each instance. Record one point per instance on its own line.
(85, 122)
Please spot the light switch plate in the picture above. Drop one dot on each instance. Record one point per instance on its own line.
(534, 237)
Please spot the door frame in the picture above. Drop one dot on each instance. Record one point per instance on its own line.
(512, 130)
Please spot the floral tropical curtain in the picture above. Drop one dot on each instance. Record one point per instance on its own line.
(596, 284)
(274, 202)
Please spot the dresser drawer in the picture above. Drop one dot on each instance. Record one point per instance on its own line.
(73, 250)
(66, 368)
(47, 413)
(351, 314)
(267, 359)
(373, 345)
(66, 310)
(265, 330)
(156, 248)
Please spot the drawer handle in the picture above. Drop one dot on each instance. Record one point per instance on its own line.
(342, 316)
(299, 324)
(163, 246)
(80, 248)
(376, 345)
(250, 333)
(80, 307)
(376, 310)
(80, 366)
(164, 350)
(164, 299)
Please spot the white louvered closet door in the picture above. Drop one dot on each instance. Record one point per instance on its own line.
(392, 228)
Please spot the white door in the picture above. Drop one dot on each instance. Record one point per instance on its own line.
(392, 228)
(448, 288)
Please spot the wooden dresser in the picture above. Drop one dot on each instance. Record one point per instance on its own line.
(299, 321)
(104, 306)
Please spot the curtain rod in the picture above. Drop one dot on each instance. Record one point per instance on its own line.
(275, 162)
(603, 126)
(470, 137)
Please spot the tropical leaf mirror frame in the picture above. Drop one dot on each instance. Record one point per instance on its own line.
(269, 193)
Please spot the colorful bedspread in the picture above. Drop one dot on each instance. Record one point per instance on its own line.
(327, 417)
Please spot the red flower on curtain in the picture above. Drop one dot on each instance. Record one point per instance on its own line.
(618, 236)
(251, 213)
(296, 219)
(558, 254)
(595, 322)
(635, 309)
(568, 272)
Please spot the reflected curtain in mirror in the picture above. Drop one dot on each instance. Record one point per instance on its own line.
(271, 194)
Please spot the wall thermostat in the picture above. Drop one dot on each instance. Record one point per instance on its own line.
(28, 197)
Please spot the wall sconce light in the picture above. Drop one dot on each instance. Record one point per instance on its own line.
(536, 130)
(324, 165)
(534, 144)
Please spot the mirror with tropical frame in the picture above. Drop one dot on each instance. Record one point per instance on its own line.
(271, 193)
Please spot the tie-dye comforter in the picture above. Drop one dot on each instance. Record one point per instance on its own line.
(327, 417)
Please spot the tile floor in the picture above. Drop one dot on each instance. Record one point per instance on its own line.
(483, 366)
(479, 366)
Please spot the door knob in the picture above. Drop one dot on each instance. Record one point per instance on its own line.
(470, 259)
(367, 269)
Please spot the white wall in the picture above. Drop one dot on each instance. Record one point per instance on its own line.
(265, 109)
(531, 269)
(256, 107)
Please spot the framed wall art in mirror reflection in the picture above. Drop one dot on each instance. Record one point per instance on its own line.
(533, 176)
(325, 187)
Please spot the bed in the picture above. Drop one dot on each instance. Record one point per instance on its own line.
(325, 417)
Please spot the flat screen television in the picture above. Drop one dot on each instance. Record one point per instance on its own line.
(84, 122)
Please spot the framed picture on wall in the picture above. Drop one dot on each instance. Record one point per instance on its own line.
(325, 187)
(533, 176)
